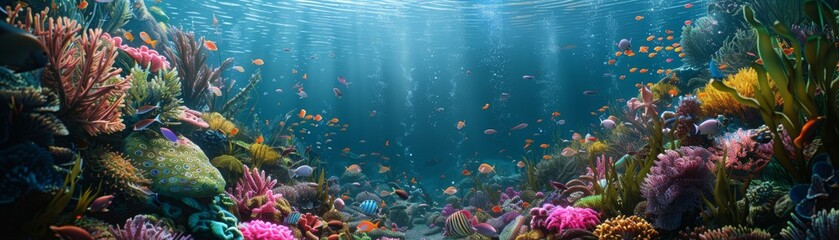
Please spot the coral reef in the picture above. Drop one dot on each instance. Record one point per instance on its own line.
(715, 101)
(745, 156)
(622, 227)
(556, 169)
(177, 169)
(557, 218)
(139, 227)
(734, 52)
(259, 230)
(31, 116)
(729, 232)
(676, 184)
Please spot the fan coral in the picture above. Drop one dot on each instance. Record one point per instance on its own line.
(676, 184)
(177, 169)
(825, 225)
(262, 154)
(117, 173)
(735, 51)
(743, 154)
(729, 232)
(715, 101)
(259, 230)
(622, 227)
(219, 123)
(141, 228)
(189, 57)
(558, 218)
(147, 58)
(30, 117)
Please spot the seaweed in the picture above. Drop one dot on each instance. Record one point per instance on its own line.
(39, 224)
(724, 210)
(238, 100)
(623, 191)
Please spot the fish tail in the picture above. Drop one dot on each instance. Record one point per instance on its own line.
(153, 43)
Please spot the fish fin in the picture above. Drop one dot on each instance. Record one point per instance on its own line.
(153, 43)
(697, 129)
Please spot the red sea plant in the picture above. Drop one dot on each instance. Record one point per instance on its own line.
(81, 71)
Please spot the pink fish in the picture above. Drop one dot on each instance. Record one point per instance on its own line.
(490, 131)
(337, 92)
(519, 127)
(669, 60)
(145, 123)
(344, 82)
(101, 204)
(302, 93)
(147, 108)
(71, 232)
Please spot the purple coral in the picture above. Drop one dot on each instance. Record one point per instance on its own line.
(558, 218)
(676, 184)
(742, 153)
(147, 58)
(259, 230)
(448, 210)
(140, 228)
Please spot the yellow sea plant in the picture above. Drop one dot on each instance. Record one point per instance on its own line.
(262, 154)
(716, 102)
(219, 123)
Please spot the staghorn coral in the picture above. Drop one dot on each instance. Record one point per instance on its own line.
(117, 173)
(178, 169)
(740, 232)
(189, 57)
(676, 184)
(824, 225)
(141, 228)
(219, 123)
(259, 230)
(715, 101)
(262, 154)
(161, 89)
(700, 40)
(745, 156)
(622, 227)
(734, 51)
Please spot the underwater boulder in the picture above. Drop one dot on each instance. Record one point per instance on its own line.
(178, 169)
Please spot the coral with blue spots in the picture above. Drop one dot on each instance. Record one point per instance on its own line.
(177, 169)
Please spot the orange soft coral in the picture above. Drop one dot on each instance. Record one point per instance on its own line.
(716, 102)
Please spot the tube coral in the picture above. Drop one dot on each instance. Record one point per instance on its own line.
(676, 184)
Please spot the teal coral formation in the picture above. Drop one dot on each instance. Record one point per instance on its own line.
(175, 169)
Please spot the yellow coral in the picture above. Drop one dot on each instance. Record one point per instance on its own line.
(662, 89)
(716, 102)
(532, 235)
(622, 227)
(597, 147)
(218, 122)
(263, 154)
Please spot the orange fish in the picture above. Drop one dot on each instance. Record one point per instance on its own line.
(669, 37)
(658, 48)
(722, 66)
(668, 31)
(652, 55)
(318, 118)
(688, 22)
(650, 38)
(630, 53)
(147, 39)
(668, 48)
(611, 62)
(525, 204)
(384, 169)
(554, 114)
(309, 117)
(486, 168)
(643, 70)
(544, 145)
(649, 84)
(461, 124)
(345, 197)
(353, 168)
(660, 71)
(302, 113)
(788, 51)
(632, 70)
(413, 180)
(618, 53)
(496, 209)
(466, 172)
(128, 36)
(660, 38)
(520, 164)
(305, 76)
(210, 45)
(643, 49)
(673, 92)
(546, 157)
(82, 5)
(333, 120)
(258, 62)
(759, 61)
(675, 44)
(234, 131)
(623, 77)
(451, 190)
(367, 226)
(259, 139)
(485, 107)
(639, 18)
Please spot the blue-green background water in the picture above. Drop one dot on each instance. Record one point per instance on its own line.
(406, 59)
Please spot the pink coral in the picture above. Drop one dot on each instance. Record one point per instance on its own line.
(252, 184)
(742, 153)
(147, 58)
(259, 230)
(309, 223)
(676, 184)
(558, 218)
(192, 117)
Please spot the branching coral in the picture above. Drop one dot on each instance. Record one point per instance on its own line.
(147, 89)
(715, 101)
(729, 232)
(147, 58)
(189, 57)
(745, 156)
(259, 230)
(141, 228)
(676, 184)
(622, 227)
(117, 173)
(735, 51)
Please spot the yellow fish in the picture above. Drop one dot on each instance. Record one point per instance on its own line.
(147, 39)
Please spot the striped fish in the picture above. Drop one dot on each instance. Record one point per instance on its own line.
(368, 207)
(458, 225)
(292, 218)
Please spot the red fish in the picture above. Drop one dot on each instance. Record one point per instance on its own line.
(809, 132)
(338, 93)
(344, 82)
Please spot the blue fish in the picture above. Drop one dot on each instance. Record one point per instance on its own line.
(368, 207)
(171, 136)
(715, 70)
(292, 218)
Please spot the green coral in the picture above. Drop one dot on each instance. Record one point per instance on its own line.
(592, 201)
(700, 41)
(178, 169)
(229, 166)
(150, 89)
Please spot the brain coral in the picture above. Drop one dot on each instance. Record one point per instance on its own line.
(177, 169)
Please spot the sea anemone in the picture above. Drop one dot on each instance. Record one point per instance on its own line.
(139, 227)
(825, 225)
(262, 154)
(622, 227)
(557, 218)
(676, 184)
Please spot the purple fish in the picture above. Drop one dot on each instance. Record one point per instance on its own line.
(589, 92)
(339, 204)
(485, 229)
(101, 204)
(344, 82)
(143, 124)
(624, 44)
(490, 131)
(708, 127)
(147, 108)
(528, 77)
(302, 93)
(519, 127)
(168, 134)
